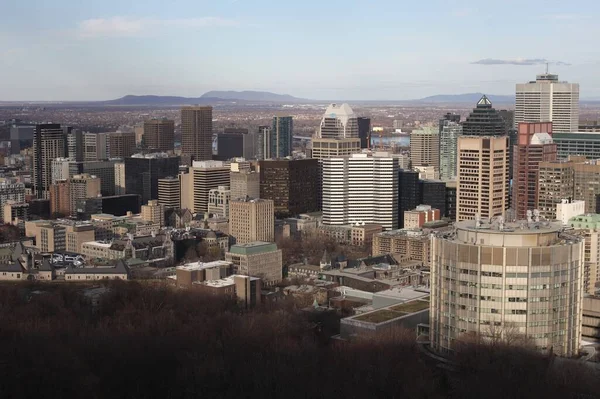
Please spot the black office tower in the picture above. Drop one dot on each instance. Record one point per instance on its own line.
(408, 197)
(364, 131)
(117, 205)
(230, 143)
(484, 121)
(143, 171)
(433, 193)
(450, 201)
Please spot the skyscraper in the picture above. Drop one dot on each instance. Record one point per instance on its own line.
(484, 121)
(425, 148)
(159, 134)
(169, 192)
(251, 220)
(81, 187)
(534, 145)
(450, 131)
(231, 143)
(196, 132)
(482, 185)
(292, 184)
(548, 100)
(281, 136)
(408, 193)
(121, 145)
(263, 143)
(361, 189)
(364, 131)
(49, 142)
(202, 177)
(143, 171)
(338, 134)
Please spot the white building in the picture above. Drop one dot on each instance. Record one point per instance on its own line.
(218, 201)
(361, 188)
(548, 100)
(568, 209)
(339, 122)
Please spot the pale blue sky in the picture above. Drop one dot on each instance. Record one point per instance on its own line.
(354, 50)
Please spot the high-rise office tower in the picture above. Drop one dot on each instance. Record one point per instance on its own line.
(233, 143)
(60, 199)
(244, 183)
(529, 283)
(408, 193)
(11, 190)
(95, 146)
(449, 117)
(450, 131)
(548, 100)
(169, 192)
(143, 171)
(450, 200)
(251, 220)
(361, 189)
(534, 145)
(281, 136)
(425, 148)
(75, 145)
(154, 212)
(121, 145)
(293, 185)
(263, 143)
(159, 134)
(555, 183)
(196, 132)
(81, 187)
(484, 121)
(49, 142)
(433, 193)
(120, 178)
(482, 181)
(339, 122)
(105, 170)
(218, 201)
(364, 131)
(338, 134)
(202, 177)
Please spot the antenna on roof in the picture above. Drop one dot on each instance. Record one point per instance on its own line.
(547, 68)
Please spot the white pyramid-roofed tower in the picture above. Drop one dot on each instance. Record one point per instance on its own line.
(339, 122)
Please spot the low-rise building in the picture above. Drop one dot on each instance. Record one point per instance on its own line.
(411, 244)
(245, 289)
(191, 273)
(416, 218)
(120, 271)
(257, 259)
(358, 235)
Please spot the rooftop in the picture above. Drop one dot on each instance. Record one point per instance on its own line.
(498, 226)
(393, 312)
(253, 248)
(203, 265)
(224, 282)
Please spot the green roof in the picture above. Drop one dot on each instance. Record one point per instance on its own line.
(576, 136)
(393, 312)
(589, 221)
(253, 248)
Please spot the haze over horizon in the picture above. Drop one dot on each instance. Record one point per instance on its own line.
(69, 51)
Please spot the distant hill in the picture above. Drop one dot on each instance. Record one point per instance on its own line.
(252, 96)
(158, 100)
(208, 98)
(470, 98)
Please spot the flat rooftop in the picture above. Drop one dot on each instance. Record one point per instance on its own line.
(223, 282)
(202, 265)
(392, 312)
(519, 227)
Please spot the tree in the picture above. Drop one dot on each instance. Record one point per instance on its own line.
(9, 233)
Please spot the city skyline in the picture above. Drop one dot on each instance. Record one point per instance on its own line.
(105, 51)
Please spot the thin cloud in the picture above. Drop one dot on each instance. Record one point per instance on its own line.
(518, 61)
(125, 26)
(463, 12)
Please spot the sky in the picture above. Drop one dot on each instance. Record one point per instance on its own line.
(326, 50)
